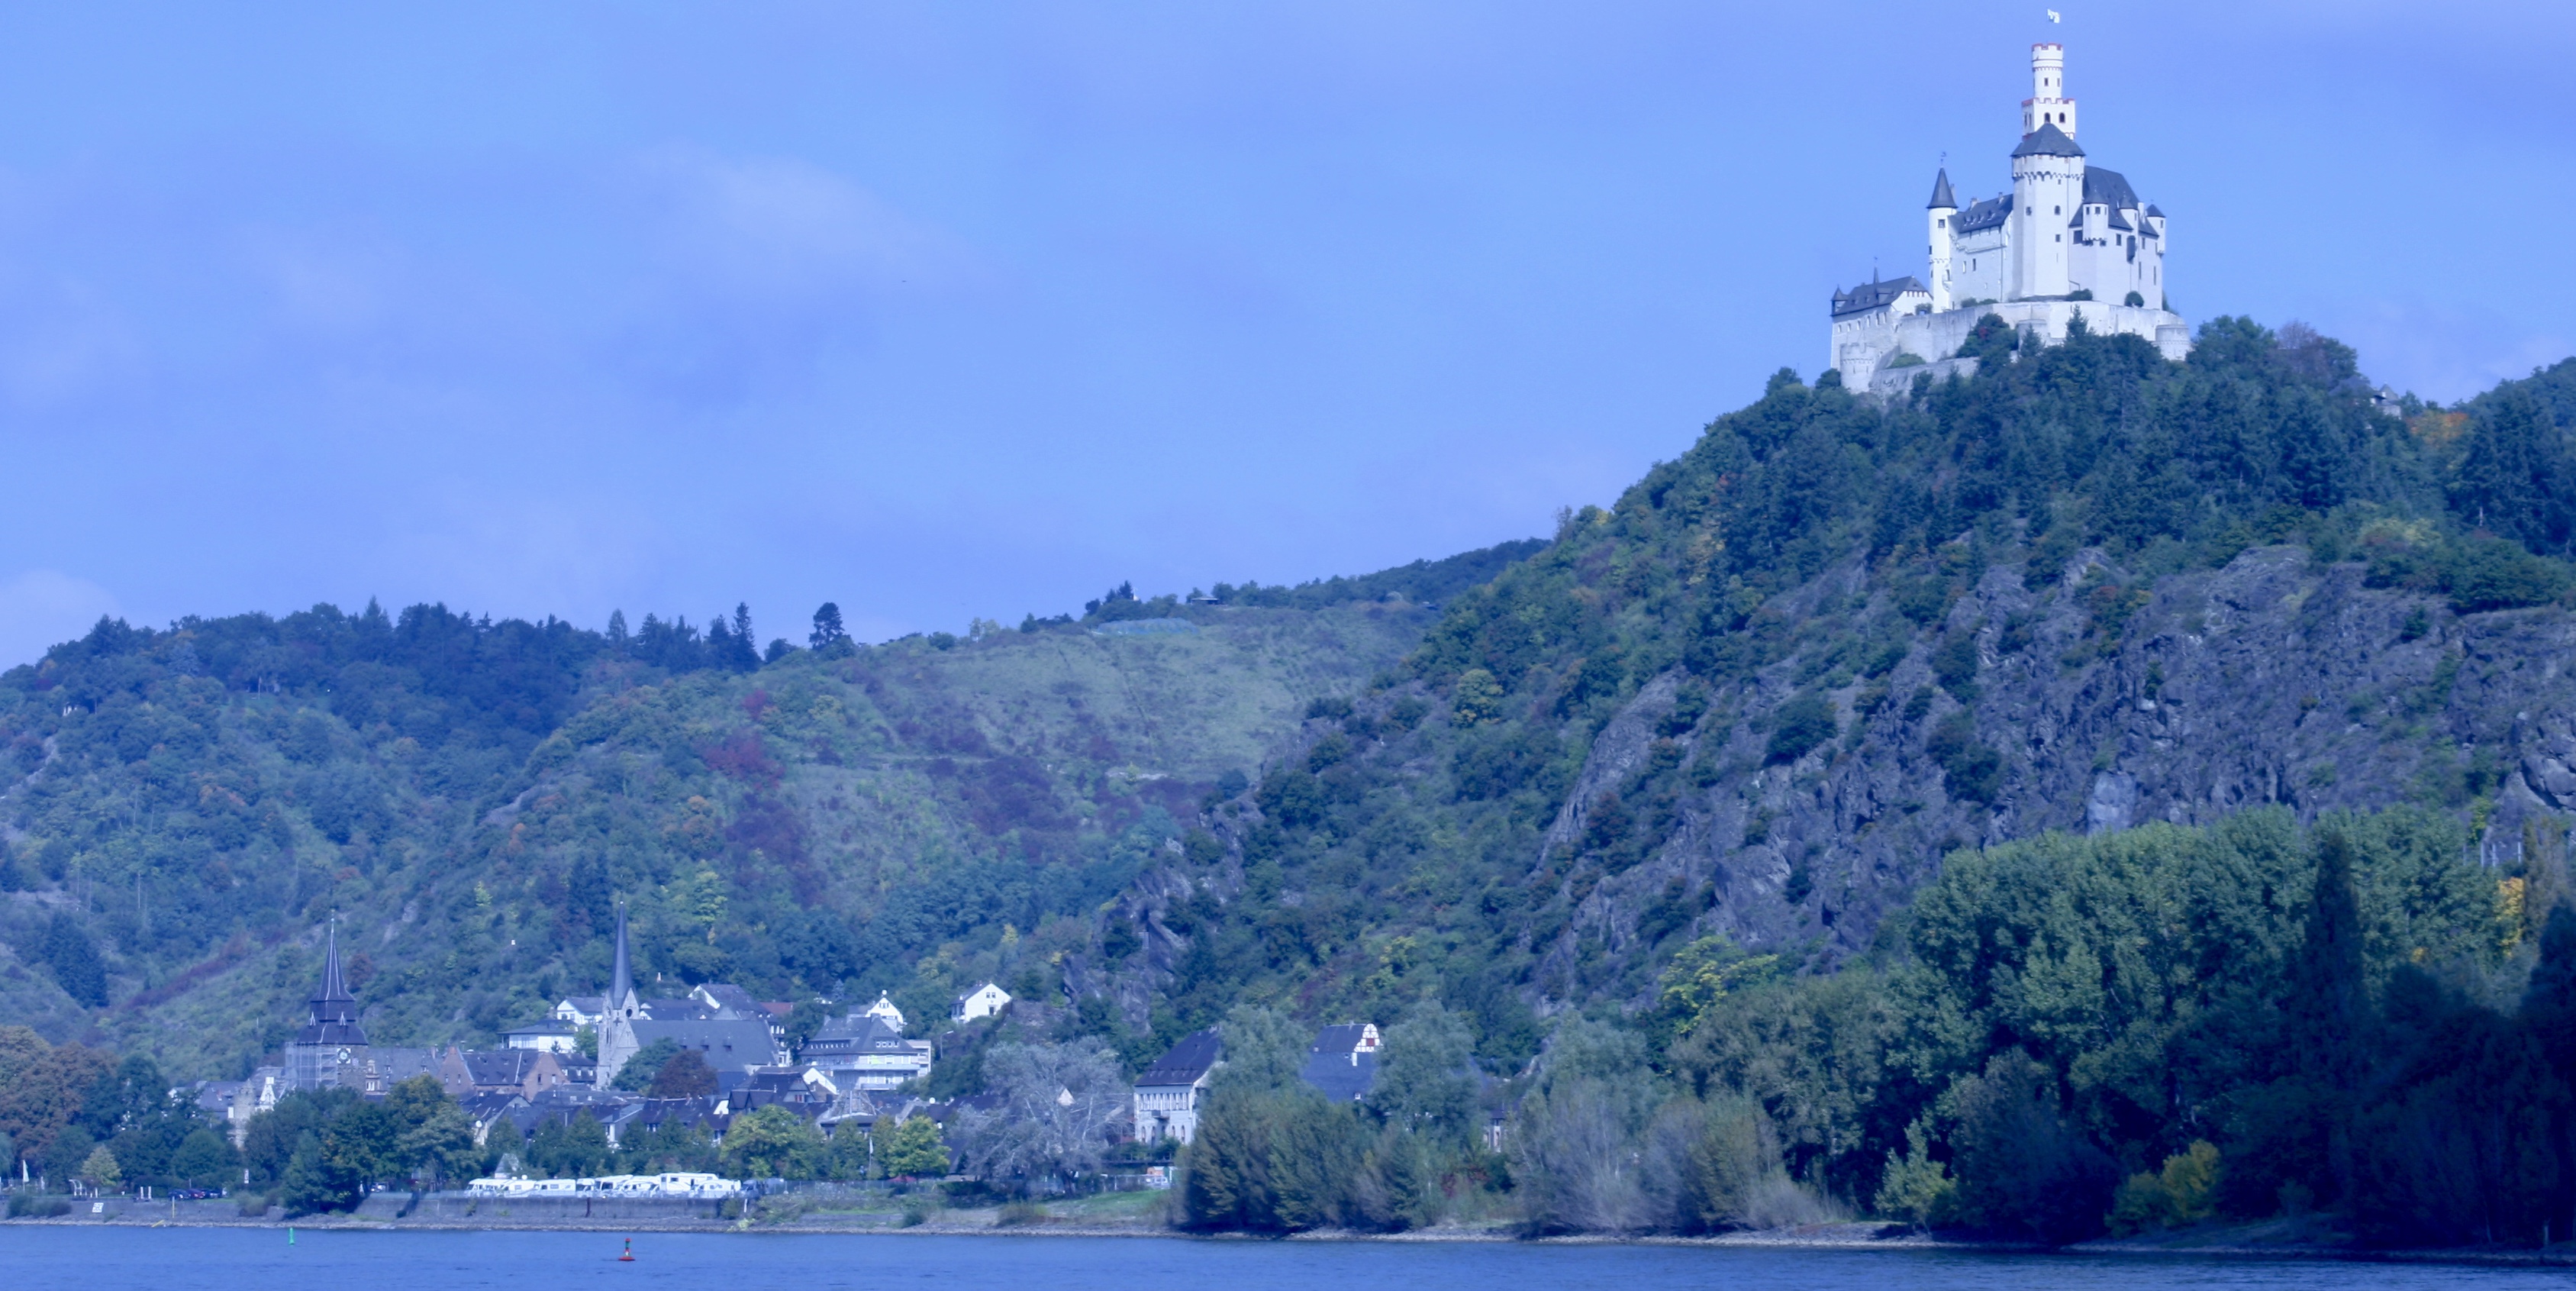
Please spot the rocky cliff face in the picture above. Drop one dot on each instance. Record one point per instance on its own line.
(2274, 680)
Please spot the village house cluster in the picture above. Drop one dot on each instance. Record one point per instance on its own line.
(852, 1071)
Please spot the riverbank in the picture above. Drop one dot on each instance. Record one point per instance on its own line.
(1135, 1215)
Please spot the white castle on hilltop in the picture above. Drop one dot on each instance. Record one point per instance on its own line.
(2068, 240)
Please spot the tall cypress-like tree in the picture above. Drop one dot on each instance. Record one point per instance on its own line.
(2549, 1013)
(2327, 1020)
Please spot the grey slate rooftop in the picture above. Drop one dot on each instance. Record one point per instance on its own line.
(2047, 141)
(1192, 1057)
(1872, 295)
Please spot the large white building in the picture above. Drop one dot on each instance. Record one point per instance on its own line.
(2070, 239)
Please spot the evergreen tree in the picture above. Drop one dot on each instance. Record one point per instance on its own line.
(101, 1171)
(2513, 475)
(730, 645)
(74, 961)
(828, 636)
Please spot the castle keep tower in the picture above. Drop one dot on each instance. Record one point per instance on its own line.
(2071, 240)
(2048, 186)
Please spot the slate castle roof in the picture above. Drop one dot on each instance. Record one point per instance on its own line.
(2111, 188)
(2048, 141)
(1983, 215)
(1875, 295)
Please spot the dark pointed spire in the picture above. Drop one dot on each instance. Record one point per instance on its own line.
(331, 1000)
(621, 977)
(1942, 199)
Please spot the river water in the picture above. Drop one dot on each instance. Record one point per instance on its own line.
(216, 1259)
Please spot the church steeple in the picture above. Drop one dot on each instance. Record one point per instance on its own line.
(332, 1001)
(332, 1047)
(621, 976)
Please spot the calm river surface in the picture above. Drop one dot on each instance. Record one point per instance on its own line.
(213, 1259)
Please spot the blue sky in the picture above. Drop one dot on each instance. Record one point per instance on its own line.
(944, 310)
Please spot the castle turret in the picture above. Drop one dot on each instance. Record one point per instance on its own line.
(2048, 104)
(1944, 208)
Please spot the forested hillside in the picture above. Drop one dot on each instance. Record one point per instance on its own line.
(1771, 687)
(1754, 802)
(187, 807)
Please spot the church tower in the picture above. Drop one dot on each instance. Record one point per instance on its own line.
(332, 1047)
(2048, 185)
(1944, 210)
(620, 1011)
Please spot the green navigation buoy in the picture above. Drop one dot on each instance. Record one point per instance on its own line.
(290, 1234)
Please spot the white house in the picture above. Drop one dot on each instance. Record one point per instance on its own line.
(982, 1002)
(1170, 1093)
(885, 1011)
(580, 1010)
(552, 1035)
(2071, 240)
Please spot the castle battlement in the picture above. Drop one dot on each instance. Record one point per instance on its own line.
(2070, 240)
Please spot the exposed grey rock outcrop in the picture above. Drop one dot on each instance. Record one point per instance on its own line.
(2273, 680)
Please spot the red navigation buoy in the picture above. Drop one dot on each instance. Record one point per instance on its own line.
(629, 1256)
